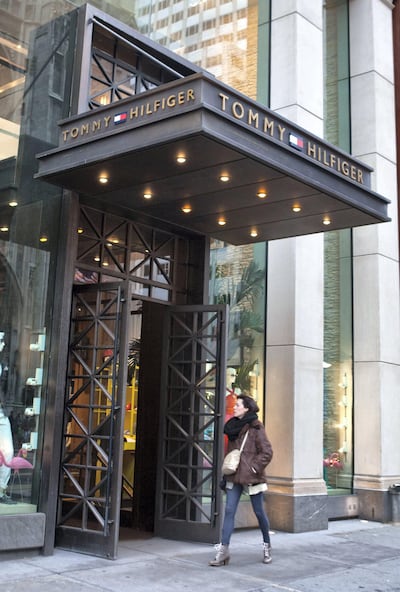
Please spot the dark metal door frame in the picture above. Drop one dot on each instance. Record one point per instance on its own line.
(188, 497)
(91, 466)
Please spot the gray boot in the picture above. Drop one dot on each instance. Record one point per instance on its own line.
(222, 557)
(267, 553)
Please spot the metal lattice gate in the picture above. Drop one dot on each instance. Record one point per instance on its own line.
(89, 494)
(192, 409)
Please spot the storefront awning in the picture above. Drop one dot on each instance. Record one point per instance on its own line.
(280, 181)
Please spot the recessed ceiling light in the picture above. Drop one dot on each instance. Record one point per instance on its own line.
(4, 228)
(224, 178)
(186, 209)
(147, 195)
(43, 238)
(181, 159)
(221, 221)
(253, 233)
(13, 203)
(80, 230)
(296, 208)
(96, 258)
(261, 193)
(103, 179)
(326, 221)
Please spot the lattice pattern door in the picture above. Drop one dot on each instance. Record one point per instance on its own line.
(89, 494)
(192, 411)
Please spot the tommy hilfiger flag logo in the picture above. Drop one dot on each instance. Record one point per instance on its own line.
(296, 142)
(120, 117)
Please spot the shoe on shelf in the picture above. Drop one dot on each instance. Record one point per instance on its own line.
(6, 499)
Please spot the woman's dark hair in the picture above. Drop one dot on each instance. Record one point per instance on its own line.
(249, 403)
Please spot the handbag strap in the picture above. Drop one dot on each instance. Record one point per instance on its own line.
(244, 442)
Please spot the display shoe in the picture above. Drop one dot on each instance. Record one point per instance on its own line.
(6, 499)
(267, 553)
(222, 556)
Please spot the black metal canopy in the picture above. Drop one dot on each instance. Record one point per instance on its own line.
(126, 154)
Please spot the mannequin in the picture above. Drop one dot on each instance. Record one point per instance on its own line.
(230, 398)
(6, 443)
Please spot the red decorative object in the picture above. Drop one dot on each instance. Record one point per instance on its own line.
(333, 460)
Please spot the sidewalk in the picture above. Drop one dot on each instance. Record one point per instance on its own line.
(351, 555)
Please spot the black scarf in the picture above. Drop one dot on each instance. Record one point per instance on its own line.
(234, 426)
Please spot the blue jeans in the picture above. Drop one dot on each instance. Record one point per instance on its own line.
(232, 502)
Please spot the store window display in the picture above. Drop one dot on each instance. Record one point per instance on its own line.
(24, 273)
(8, 462)
(6, 440)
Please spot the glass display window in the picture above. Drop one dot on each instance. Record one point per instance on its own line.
(238, 278)
(23, 272)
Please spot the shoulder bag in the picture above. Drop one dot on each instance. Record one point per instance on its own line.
(232, 459)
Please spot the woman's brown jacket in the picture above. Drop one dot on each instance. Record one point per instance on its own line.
(256, 455)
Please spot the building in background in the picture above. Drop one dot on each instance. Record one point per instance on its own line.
(314, 320)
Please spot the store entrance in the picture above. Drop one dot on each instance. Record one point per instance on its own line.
(97, 479)
(130, 413)
(145, 390)
(140, 440)
(143, 419)
(173, 420)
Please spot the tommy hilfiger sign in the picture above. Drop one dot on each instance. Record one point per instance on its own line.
(283, 131)
(201, 91)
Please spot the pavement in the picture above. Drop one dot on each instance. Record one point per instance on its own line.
(352, 555)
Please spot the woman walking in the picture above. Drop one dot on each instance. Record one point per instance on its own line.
(249, 477)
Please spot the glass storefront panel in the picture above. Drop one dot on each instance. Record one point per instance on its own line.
(338, 364)
(238, 278)
(34, 66)
(338, 316)
(24, 274)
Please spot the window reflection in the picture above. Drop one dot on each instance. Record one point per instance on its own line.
(23, 281)
(111, 248)
(237, 278)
